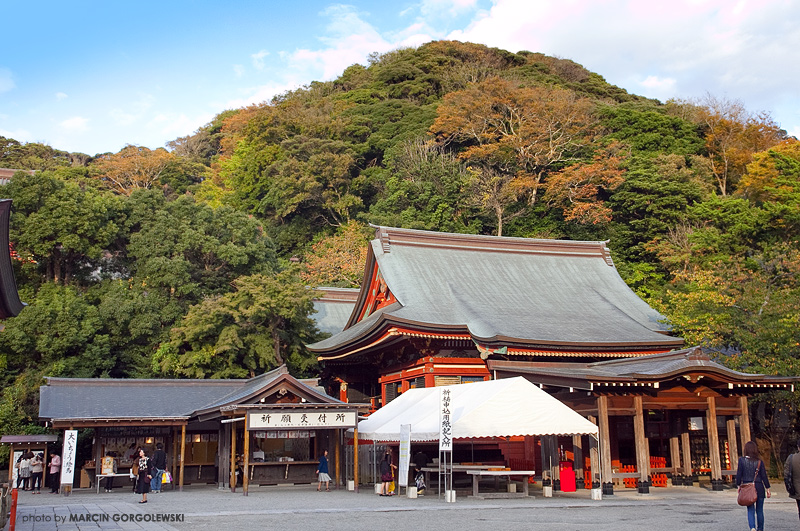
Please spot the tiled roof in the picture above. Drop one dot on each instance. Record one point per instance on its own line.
(106, 398)
(333, 308)
(507, 291)
(651, 367)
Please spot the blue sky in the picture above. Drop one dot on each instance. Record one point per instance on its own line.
(94, 76)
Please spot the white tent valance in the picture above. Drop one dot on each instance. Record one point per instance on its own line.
(497, 408)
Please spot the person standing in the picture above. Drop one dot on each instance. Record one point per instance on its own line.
(420, 462)
(751, 469)
(25, 470)
(144, 476)
(159, 461)
(387, 475)
(109, 468)
(55, 473)
(37, 470)
(322, 470)
(791, 473)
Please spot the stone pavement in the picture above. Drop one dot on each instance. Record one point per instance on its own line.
(301, 507)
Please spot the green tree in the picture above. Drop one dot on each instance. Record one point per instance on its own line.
(59, 332)
(259, 326)
(425, 189)
(63, 227)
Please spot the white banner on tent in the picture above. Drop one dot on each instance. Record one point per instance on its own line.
(445, 425)
(68, 459)
(405, 454)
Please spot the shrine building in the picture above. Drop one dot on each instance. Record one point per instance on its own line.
(439, 309)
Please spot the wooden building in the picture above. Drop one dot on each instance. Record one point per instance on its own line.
(271, 427)
(438, 309)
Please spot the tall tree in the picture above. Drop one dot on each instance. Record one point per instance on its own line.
(338, 260)
(134, 167)
(579, 189)
(261, 325)
(513, 137)
(733, 135)
(64, 228)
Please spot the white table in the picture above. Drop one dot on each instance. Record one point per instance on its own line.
(98, 477)
(477, 474)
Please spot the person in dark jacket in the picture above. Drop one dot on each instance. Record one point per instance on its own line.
(159, 462)
(387, 473)
(322, 472)
(751, 469)
(791, 472)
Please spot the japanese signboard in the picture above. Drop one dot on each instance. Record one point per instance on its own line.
(405, 454)
(68, 459)
(303, 419)
(445, 427)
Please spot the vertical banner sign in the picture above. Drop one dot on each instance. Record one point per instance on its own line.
(405, 454)
(68, 459)
(445, 428)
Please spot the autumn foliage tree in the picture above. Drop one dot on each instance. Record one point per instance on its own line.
(733, 135)
(513, 136)
(338, 260)
(577, 188)
(134, 167)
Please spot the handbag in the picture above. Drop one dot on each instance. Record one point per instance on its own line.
(747, 491)
(166, 477)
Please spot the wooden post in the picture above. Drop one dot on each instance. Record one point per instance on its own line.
(174, 453)
(594, 457)
(233, 457)
(675, 454)
(222, 455)
(744, 420)
(640, 440)
(355, 458)
(246, 451)
(605, 445)
(577, 451)
(713, 443)
(555, 460)
(337, 457)
(687, 452)
(733, 448)
(182, 457)
(98, 456)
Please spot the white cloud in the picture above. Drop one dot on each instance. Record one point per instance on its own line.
(174, 125)
(657, 87)
(349, 40)
(434, 8)
(123, 118)
(20, 135)
(685, 48)
(61, 96)
(258, 59)
(134, 112)
(6, 80)
(238, 70)
(260, 94)
(76, 123)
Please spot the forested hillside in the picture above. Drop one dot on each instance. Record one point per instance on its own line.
(193, 261)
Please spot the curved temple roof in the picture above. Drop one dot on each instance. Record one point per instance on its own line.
(502, 291)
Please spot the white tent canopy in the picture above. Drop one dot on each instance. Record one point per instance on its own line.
(497, 408)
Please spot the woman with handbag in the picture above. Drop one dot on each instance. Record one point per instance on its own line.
(751, 475)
